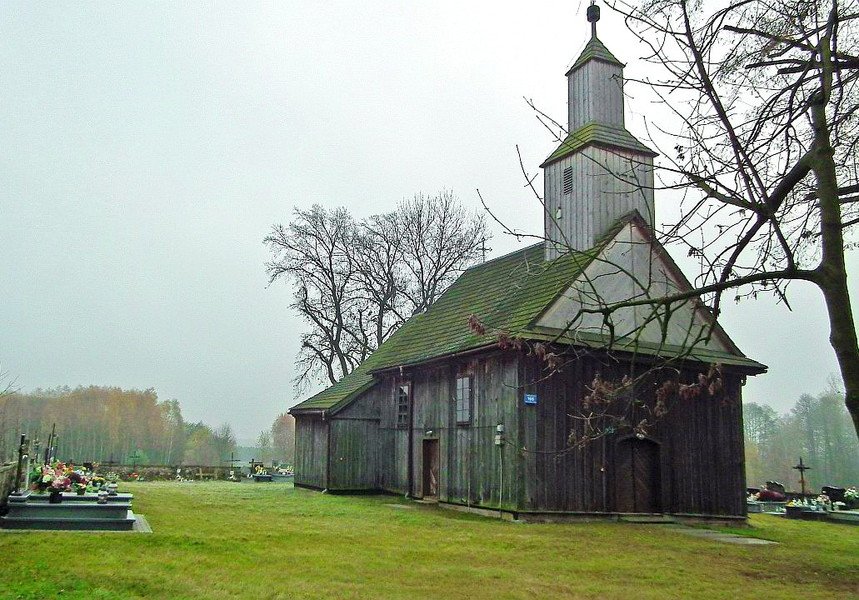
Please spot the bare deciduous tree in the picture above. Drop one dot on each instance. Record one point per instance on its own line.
(440, 238)
(315, 250)
(357, 282)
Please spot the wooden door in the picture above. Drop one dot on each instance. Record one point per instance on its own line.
(430, 478)
(637, 476)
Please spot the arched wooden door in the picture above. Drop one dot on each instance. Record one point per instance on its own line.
(637, 476)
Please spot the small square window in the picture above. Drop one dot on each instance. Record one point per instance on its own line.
(464, 398)
(403, 404)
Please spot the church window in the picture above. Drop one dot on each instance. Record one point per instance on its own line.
(464, 396)
(403, 404)
(568, 180)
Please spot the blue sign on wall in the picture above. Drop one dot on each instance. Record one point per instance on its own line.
(530, 398)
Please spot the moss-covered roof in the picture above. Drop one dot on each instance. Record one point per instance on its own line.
(506, 294)
(597, 134)
(594, 50)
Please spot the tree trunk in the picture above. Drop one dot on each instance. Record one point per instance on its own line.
(842, 337)
(833, 270)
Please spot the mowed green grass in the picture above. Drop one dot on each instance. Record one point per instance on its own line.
(223, 540)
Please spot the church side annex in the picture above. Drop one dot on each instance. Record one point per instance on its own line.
(445, 411)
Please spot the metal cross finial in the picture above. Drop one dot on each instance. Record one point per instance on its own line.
(593, 16)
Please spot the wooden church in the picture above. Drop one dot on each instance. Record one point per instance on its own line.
(458, 414)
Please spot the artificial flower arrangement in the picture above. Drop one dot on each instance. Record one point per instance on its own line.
(79, 481)
(54, 478)
(851, 497)
(822, 502)
(62, 477)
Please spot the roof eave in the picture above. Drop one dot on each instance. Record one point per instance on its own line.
(439, 357)
(578, 65)
(597, 144)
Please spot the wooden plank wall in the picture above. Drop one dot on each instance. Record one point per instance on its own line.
(311, 450)
(392, 441)
(607, 184)
(472, 469)
(701, 447)
(353, 454)
(595, 95)
(355, 444)
(431, 396)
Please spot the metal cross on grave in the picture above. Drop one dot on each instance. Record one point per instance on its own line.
(802, 469)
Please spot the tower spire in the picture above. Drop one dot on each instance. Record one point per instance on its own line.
(593, 16)
(600, 172)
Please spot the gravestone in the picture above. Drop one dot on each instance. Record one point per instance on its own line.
(835, 494)
(34, 511)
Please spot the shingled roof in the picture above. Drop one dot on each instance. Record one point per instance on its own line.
(506, 294)
(594, 50)
(597, 134)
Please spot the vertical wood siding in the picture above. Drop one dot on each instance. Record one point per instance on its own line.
(607, 184)
(393, 441)
(354, 448)
(471, 466)
(595, 94)
(311, 450)
(355, 444)
(473, 469)
(700, 446)
(700, 441)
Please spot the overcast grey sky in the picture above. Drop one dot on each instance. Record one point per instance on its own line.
(146, 149)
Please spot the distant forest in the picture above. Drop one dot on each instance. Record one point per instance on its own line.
(102, 424)
(818, 429)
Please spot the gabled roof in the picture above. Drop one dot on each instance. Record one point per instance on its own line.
(507, 294)
(594, 50)
(597, 134)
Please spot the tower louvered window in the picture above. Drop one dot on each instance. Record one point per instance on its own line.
(568, 180)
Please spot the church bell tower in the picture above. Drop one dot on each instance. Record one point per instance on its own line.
(600, 172)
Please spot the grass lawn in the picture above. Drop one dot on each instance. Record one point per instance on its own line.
(223, 540)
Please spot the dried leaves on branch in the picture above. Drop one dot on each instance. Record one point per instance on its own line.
(356, 282)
